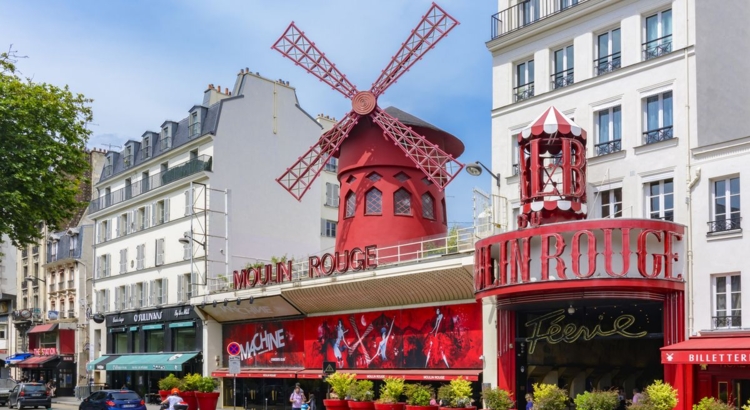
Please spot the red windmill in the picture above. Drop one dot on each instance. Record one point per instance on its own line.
(389, 161)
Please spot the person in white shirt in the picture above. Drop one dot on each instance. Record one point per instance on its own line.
(174, 398)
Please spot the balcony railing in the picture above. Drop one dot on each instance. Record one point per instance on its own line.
(526, 13)
(71, 284)
(145, 153)
(562, 79)
(607, 64)
(107, 170)
(723, 322)
(194, 130)
(523, 92)
(657, 135)
(657, 48)
(165, 143)
(723, 225)
(194, 166)
(71, 313)
(127, 161)
(605, 148)
(52, 288)
(515, 170)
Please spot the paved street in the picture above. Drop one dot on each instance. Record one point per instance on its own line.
(69, 403)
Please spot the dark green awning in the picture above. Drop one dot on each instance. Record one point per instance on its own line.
(151, 362)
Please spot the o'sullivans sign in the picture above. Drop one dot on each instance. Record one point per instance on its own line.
(606, 248)
(317, 266)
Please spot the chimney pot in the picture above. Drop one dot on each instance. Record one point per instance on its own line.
(219, 88)
(256, 73)
(247, 70)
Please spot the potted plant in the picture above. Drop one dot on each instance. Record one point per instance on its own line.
(206, 396)
(711, 403)
(340, 383)
(597, 400)
(167, 384)
(549, 397)
(457, 394)
(390, 393)
(418, 396)
(657, 396)
(189, 387)
(361, 394)
(498, 399)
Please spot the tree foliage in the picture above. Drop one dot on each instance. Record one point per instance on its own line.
(43, 161)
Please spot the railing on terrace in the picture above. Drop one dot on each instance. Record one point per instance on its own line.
(526, 13)
(523, 92)
(605, 148)
(562, 79)
(657, 135)
(166, 143)
(456, 241)
(723, 322)
(657, 48)
(607, 64)
(145, 153)
(723, 225)
(194, 166)
(194, 130)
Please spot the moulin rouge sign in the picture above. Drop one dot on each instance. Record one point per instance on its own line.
(328, 264)
(608, 248)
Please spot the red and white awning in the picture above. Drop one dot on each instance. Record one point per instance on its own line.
(550, 122)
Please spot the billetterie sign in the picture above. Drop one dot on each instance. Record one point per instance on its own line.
(328, 264)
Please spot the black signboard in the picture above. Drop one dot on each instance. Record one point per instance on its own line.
(176, 314)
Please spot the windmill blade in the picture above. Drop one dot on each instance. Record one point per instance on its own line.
(439, 166)
(294, 45)
(301, 174)
(432, 28)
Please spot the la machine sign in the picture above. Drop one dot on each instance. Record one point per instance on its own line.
(328, 264)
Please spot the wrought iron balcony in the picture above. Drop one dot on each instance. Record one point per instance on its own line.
(194, 166)
(657, 135)
(562, 79)
(516, 170)
(724, 224)
(145, 153)
(523, 92)
(723, 322)
(607, 64)
(166, 143)
(657, 48)
(194, 130)
(526, 13)
(127, 161)
(605, 148)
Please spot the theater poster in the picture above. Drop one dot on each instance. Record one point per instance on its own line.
(433, 338)
(267, 344)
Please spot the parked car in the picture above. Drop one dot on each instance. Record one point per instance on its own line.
(113, 400)
(6, 385)
(29, 395)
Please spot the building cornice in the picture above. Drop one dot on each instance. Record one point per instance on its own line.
(722, 149)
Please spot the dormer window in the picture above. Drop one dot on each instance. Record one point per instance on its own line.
(166, 137)
(127, 158)
(146, 147)
(194, 129)
(108, 166)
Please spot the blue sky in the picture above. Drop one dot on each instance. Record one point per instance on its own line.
(145, 61)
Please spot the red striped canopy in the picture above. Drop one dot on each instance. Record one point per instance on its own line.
(550, 122)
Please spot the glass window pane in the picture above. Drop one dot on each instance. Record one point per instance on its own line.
(569, 63)
(721, 302)
(603, 126)
(734, 202)
(603, 45)
(616, 123)
(558, 61)
(652, 28)
(666, 23)
(734, 185)
(720, 187)
(654, 204)
(667, 104)
(720, 206)
(721, 284)
(615, 41)
(736, 283)
(652, 113)
(736, 300)
(668, 186)
(618, 209)
(654, 188)
(521, 74)
(530, 71)
(618, 194)
(668, 201)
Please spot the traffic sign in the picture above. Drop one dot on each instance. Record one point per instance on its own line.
(329, 367)
(234, 365)
(233, 348)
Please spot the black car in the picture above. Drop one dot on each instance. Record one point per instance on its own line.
(113, 400)
(30, 395)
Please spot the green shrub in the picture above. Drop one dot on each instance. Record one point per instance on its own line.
(597, 400)
(747, 406)
(169, 382)
(340, 383)
(418, 394)
(660, 396)
(207, 385)
(460, 392)
(710, 403)
(497, 399)
(191, 381)
(361, 390)
(445, 394)
(391, 390)
(549, 397)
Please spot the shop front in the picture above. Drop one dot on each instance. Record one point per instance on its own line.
(147, 345)
(53, 359)
(429, 344)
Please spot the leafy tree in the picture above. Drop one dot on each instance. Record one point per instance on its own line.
(43, 161)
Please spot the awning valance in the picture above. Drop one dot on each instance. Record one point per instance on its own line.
(551, 122)
(18, 357)
(100, 362)
(39, 362)
(151, 362)
(278, 373)
(415, 374)
(708, 350)
(42, 328)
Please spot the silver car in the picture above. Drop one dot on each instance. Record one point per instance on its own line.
(6, 385)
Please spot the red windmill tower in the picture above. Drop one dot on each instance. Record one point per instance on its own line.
(393, 167)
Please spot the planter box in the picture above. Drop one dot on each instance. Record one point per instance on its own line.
(361, 405)
(163, 394)
(206, 401)
(391, 406)
(454, 408)
(189, 398)
(332, 404)
(408, 407)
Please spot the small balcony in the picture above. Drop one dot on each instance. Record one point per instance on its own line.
(194, 166)
(658, 135)
(523, 92)
(127, 161)
(724, 224)
(71, 284)
(562, 79)
(194, 130)
(726, 322)
(145, 153)
(52, 288)
(515, 170)
(657, 48)
(610, 147)
(71, 313)
(61, 285)
(607, 64)
(526, 13)
(165, 143)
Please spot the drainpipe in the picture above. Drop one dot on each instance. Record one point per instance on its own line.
(690, 180)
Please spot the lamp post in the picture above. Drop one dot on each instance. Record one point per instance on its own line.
(188, 239)
(475, 169)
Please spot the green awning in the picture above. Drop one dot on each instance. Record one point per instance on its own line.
(100, 362)
(151, 362)
(182, 324)
(133, 328)
(152, 327)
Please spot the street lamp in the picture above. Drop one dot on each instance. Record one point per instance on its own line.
(188, 239)
(185, 240)
(475, 169)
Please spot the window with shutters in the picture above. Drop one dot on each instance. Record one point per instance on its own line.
(159, 292)
(122, 298)
(140, 256)
(100, 301)
(184, 287)
(104, 231)
(373, 202)
(159, 252)
(162, 211)
(103, 270)
(189, 202)
(123, 260)
(332, 195)
(141, 219)
(402, 202)
(122, 226)
(351, 204)
(187, 248)
(328, 228)
(428, 206)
